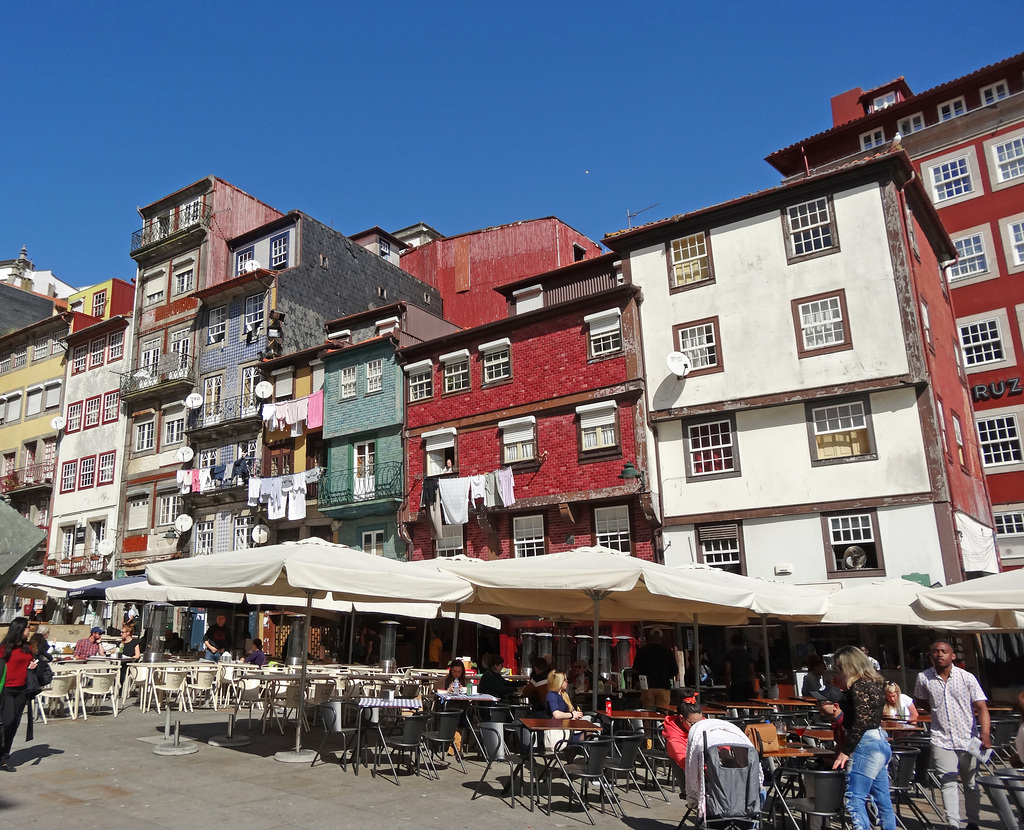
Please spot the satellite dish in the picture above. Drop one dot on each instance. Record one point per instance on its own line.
(194, 401)
(264, 389)
(678, 364)
(251, 265)
(855, 558)
(183, 524)
(105, 548)
(184, 454)
(58, 423)
(260, 534)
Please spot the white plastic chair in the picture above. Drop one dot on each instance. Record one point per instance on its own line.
(249, 693)
(201, 685)
(227, 683)
(97, 686)
(63, 689)
(137, 679)
(173, 685)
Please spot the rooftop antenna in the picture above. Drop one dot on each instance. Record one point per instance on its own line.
(630, 215)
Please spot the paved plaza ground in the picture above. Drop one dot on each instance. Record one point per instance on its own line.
(103, 773)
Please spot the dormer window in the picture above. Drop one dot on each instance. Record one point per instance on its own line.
(912, 123)
(994, 92)
(242, 257)
(870, 140)
(343, 337)
(952, 109)
(386, 326)
(882, 101)
(528, 299)
(384, 247)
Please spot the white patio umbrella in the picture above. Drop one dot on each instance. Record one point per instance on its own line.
(311, 568)
(1002, 593)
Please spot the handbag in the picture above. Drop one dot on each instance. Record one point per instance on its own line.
(38, 678)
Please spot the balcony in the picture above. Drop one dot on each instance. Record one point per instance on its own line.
(169, 370)
(34, 475)
(71, 567)
(361, 491)
(170, 224)
(226, 413)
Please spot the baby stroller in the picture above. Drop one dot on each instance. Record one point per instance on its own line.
(732, 788)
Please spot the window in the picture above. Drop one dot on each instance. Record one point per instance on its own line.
(699, 341)
(20, 357)
(68, 476)
(994, 92)
(611, 527)
(34, 401)
(138, 512)
(111, 406)
(97, 349)
(951, 179)
(174, 430)
(528, 535)
(721, 546)
(5, 363)
(374, 376)
(212, 388)
(58, 341)
(605, 332)
(106, 468)
(456, 371)
(153, 290)
(241, 258)
(78, 362)
(689, 261)
(384, 248)
(279, 252)
(184, 281)
(87, 472)
(711, 449)
(958, 436)
(280, 459)
(92, 412)
(971, 257)
(97, 533)
(822, 326)
(1010, 524)
(204, 538)
(51, 400)
(67, 542)
(99, 303)
(217, 324)
(882, 101)
(874, 138)
(251, 378)
(518, 439)
(982, 342)
(811, 228)
(14, 407)
(1009, 158)
(952, 109)
(207, 458)
(421, 384)
(74, 418)
(243, 526)
(451, 542)
(144, 436)
(1015, 232)
(115, 350)
(439, 447)
(373, 541)
(348, 382)
(912, 123)
(840, 431)
(1000, 443)
(170, 507)
(253, 313)
(41, 350)
(496, 361)
(852, 544)
(598, 426)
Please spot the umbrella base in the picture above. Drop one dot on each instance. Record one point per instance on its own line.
(171, 748)
(229, 741)
(292, 756)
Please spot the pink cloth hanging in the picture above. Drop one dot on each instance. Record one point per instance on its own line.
(315, 410)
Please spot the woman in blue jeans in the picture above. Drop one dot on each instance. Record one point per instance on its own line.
(865, 751)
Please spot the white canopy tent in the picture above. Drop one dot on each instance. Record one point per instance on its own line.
(1002, 594)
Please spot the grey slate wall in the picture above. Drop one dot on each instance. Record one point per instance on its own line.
(20, 308)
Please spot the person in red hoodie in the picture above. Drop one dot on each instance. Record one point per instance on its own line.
(18, 659)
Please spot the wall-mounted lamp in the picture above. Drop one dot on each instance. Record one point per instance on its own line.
(171, 534)
(629, 473)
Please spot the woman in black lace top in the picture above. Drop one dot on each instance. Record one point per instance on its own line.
(865, 752)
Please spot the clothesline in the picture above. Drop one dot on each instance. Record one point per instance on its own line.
(448, 498)
(281, 415)
(285, 496)
(200, 479)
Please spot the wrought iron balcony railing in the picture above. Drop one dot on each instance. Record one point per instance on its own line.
(168, 224)
(357, 484)
(74, 566)
(224, 411)
(32, 475)
(171, 367)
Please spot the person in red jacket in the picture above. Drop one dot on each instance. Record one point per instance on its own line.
(19, 660)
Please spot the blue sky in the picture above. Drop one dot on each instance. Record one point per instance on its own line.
(461, 115)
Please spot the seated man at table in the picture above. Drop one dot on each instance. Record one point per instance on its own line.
(89, 646)
(492, 683)
(173, 642)
(217, 639)
(256, 657)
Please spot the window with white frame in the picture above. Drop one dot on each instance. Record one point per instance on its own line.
(611, 527)
(174, 430)
(153, 290)
(886, 99)
(67, 542)
(348, 382)
(207, 458)
(51, 400)
(711, 448)
(518, 439)
(1009, 159)
(253, 312)
(528, 535)
(853, 543)
(690, 262)
(496, 360)
(13, 412)
(184, 280)
(811, 227)
(951, 179)
(982, 342)
(822, 321)
(74, 417)
(115, 349)
(999, 438)
(1010, 523)
(97, 351)
(138, 511)
(872, 139)
(456, 371)
(99, 303)
(952, 109)
(598, 426)
(111, 406)
(106, 468)
(721, 546)
(241, 258)
(242, 528)
(958, 436)
(1015, 231)
(181, 345)
(912, 123)
(144, 436)
(699, 342)
(971, 258)
(374, 376)
(421, 380)
(204, 537)
(41, 349)
(33, 401)
(384, 248)
(218, 323)
(5, 363)
(58, 341)
(68, 476)
(840, 430)
(604, 332)
(79, 359)
(279, 252)
(20, 357)
(213, 388)
(87, 472)
(452, 541)
(373, 541)
(439, 447)
(994, 92)
(92, 412)
(926, 325)
(169, 508)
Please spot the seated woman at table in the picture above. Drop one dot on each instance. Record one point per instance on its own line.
(256, 657)
(129, 649)
(536, 689)
(492, 683)
(898, 706)
(560, 707)
(456, 675)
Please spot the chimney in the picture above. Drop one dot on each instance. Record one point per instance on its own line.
(847, 107)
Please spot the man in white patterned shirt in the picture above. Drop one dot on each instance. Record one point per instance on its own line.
(957, 703)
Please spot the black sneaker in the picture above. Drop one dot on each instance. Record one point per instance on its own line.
(971, 826)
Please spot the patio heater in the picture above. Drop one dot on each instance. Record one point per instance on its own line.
(622, 661)
(545, 646)
(157, 617)
(604, 657)
(296, 639)
(584, 648)
(529, 651)
(563, 647)
(388, 642)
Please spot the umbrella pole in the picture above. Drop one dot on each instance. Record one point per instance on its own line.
(299, 755)
(594, 672)
(423, 646)
(902, 658)
(767, 659)
(455, 632)
(696, 653)
(351, 633)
